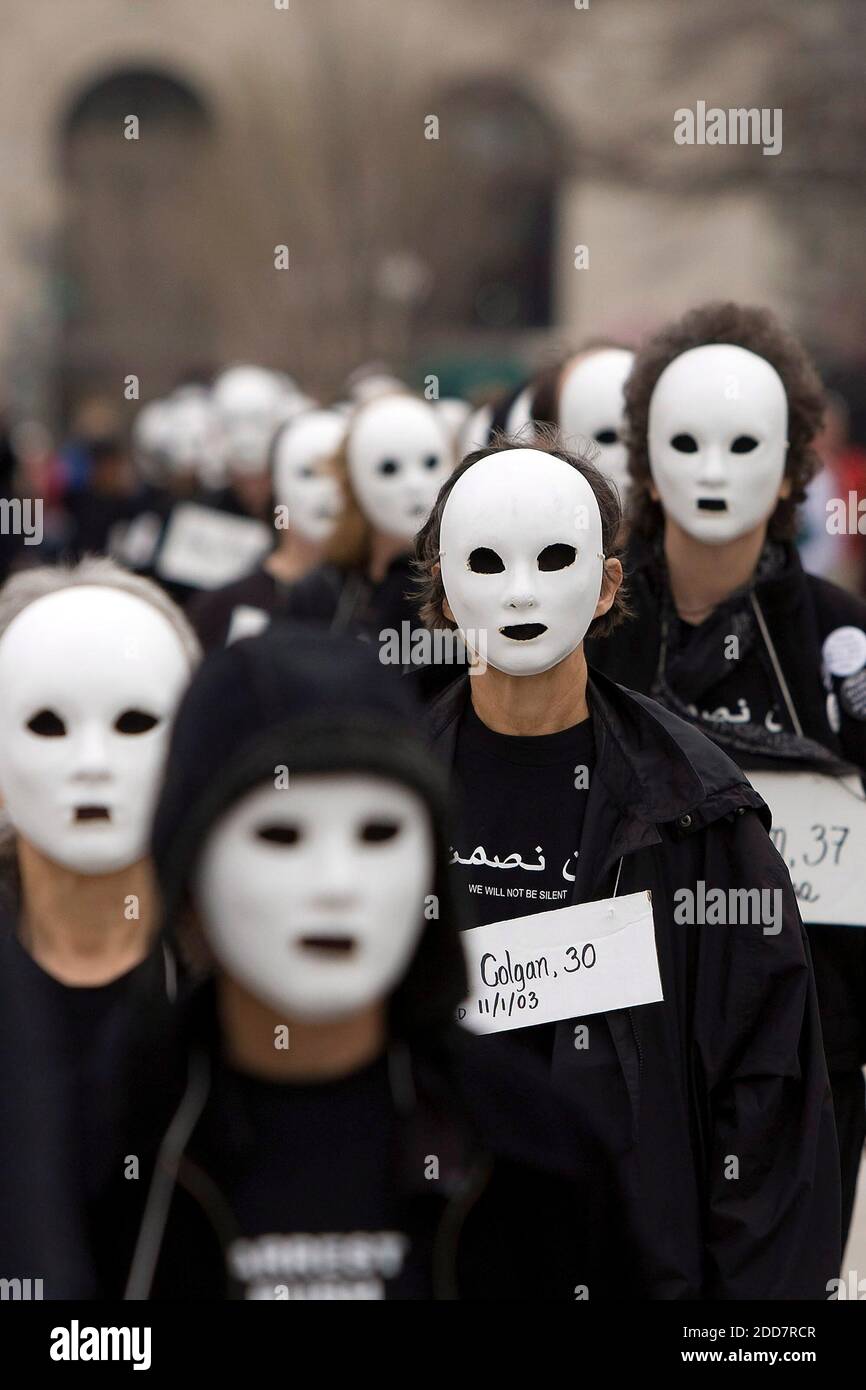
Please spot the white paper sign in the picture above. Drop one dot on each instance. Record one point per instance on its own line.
(246, 621)
(819, 828)
(133, 544)
(564, 963)
(206, 548)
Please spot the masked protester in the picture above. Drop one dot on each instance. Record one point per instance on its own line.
(248, 405)
(395, 456)
(393, 461)
(584, 399)
(92, 664)
(307, 507)
(339, 1136)
(577, 790)
(727, 629)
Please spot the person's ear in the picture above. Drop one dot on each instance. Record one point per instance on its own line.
(785, 488)
(446, 607)
(609, 587)
(653, 491)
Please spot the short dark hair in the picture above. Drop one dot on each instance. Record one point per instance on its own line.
(430, 589)
(758, 331)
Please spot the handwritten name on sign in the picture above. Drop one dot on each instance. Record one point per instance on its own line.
(819, 829)
(564, 963)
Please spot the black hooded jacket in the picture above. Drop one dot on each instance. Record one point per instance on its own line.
(800, 611)
(731, 1064)
(524, 1204)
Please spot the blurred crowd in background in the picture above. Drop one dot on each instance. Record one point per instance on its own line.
(106, 489)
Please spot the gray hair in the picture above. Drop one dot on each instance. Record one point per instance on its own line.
(27, 586)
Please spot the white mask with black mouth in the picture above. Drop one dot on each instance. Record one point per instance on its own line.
(592, 406)
(302, 482)
(399, 455)
(312, 896)
(90, 678)
(521, 558)
(717, 441)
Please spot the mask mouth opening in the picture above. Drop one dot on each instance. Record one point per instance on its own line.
(335, 947)
(712, 504)
(523, 632)
(91, 813)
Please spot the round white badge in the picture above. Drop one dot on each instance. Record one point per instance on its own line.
(844, 651)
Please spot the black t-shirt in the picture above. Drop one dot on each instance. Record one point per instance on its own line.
(748, 694)
(517, 839)
(315, 1199)
(90, 1029)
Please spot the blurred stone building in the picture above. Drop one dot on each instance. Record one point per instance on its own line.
(430, 169)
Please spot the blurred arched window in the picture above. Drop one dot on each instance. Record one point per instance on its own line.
(503, 168)
(133, 284)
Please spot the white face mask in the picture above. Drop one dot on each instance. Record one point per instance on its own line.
(521, 556)
(591, 406)
(312, 896)
(247, 402)
(301, 482)
(399, 456)
(191, 437)
(89, 680)
(717, 439)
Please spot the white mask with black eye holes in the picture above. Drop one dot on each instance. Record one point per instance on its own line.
(302, 482)
(521, 559)
(399, 455)
(312, 896)
(247, 402)
(717, 441)
(90, 678)
(592, 406)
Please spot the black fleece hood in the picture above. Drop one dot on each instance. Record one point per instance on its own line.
(312, 702)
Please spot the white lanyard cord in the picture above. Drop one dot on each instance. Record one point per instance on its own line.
(618, 872)
(783, 684)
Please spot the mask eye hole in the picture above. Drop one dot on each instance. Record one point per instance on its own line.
(135, 721)
(744, 444)
(685, 444)
(606, 437)
(47, 724)
(557, 557)
(431, 461)
(485, 561)
(278, 834)
(377, 832)
(388, 466)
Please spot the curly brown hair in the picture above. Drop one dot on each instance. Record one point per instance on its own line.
(430, 591)
(758, 331)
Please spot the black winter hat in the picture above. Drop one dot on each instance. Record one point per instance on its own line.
(302, 698)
